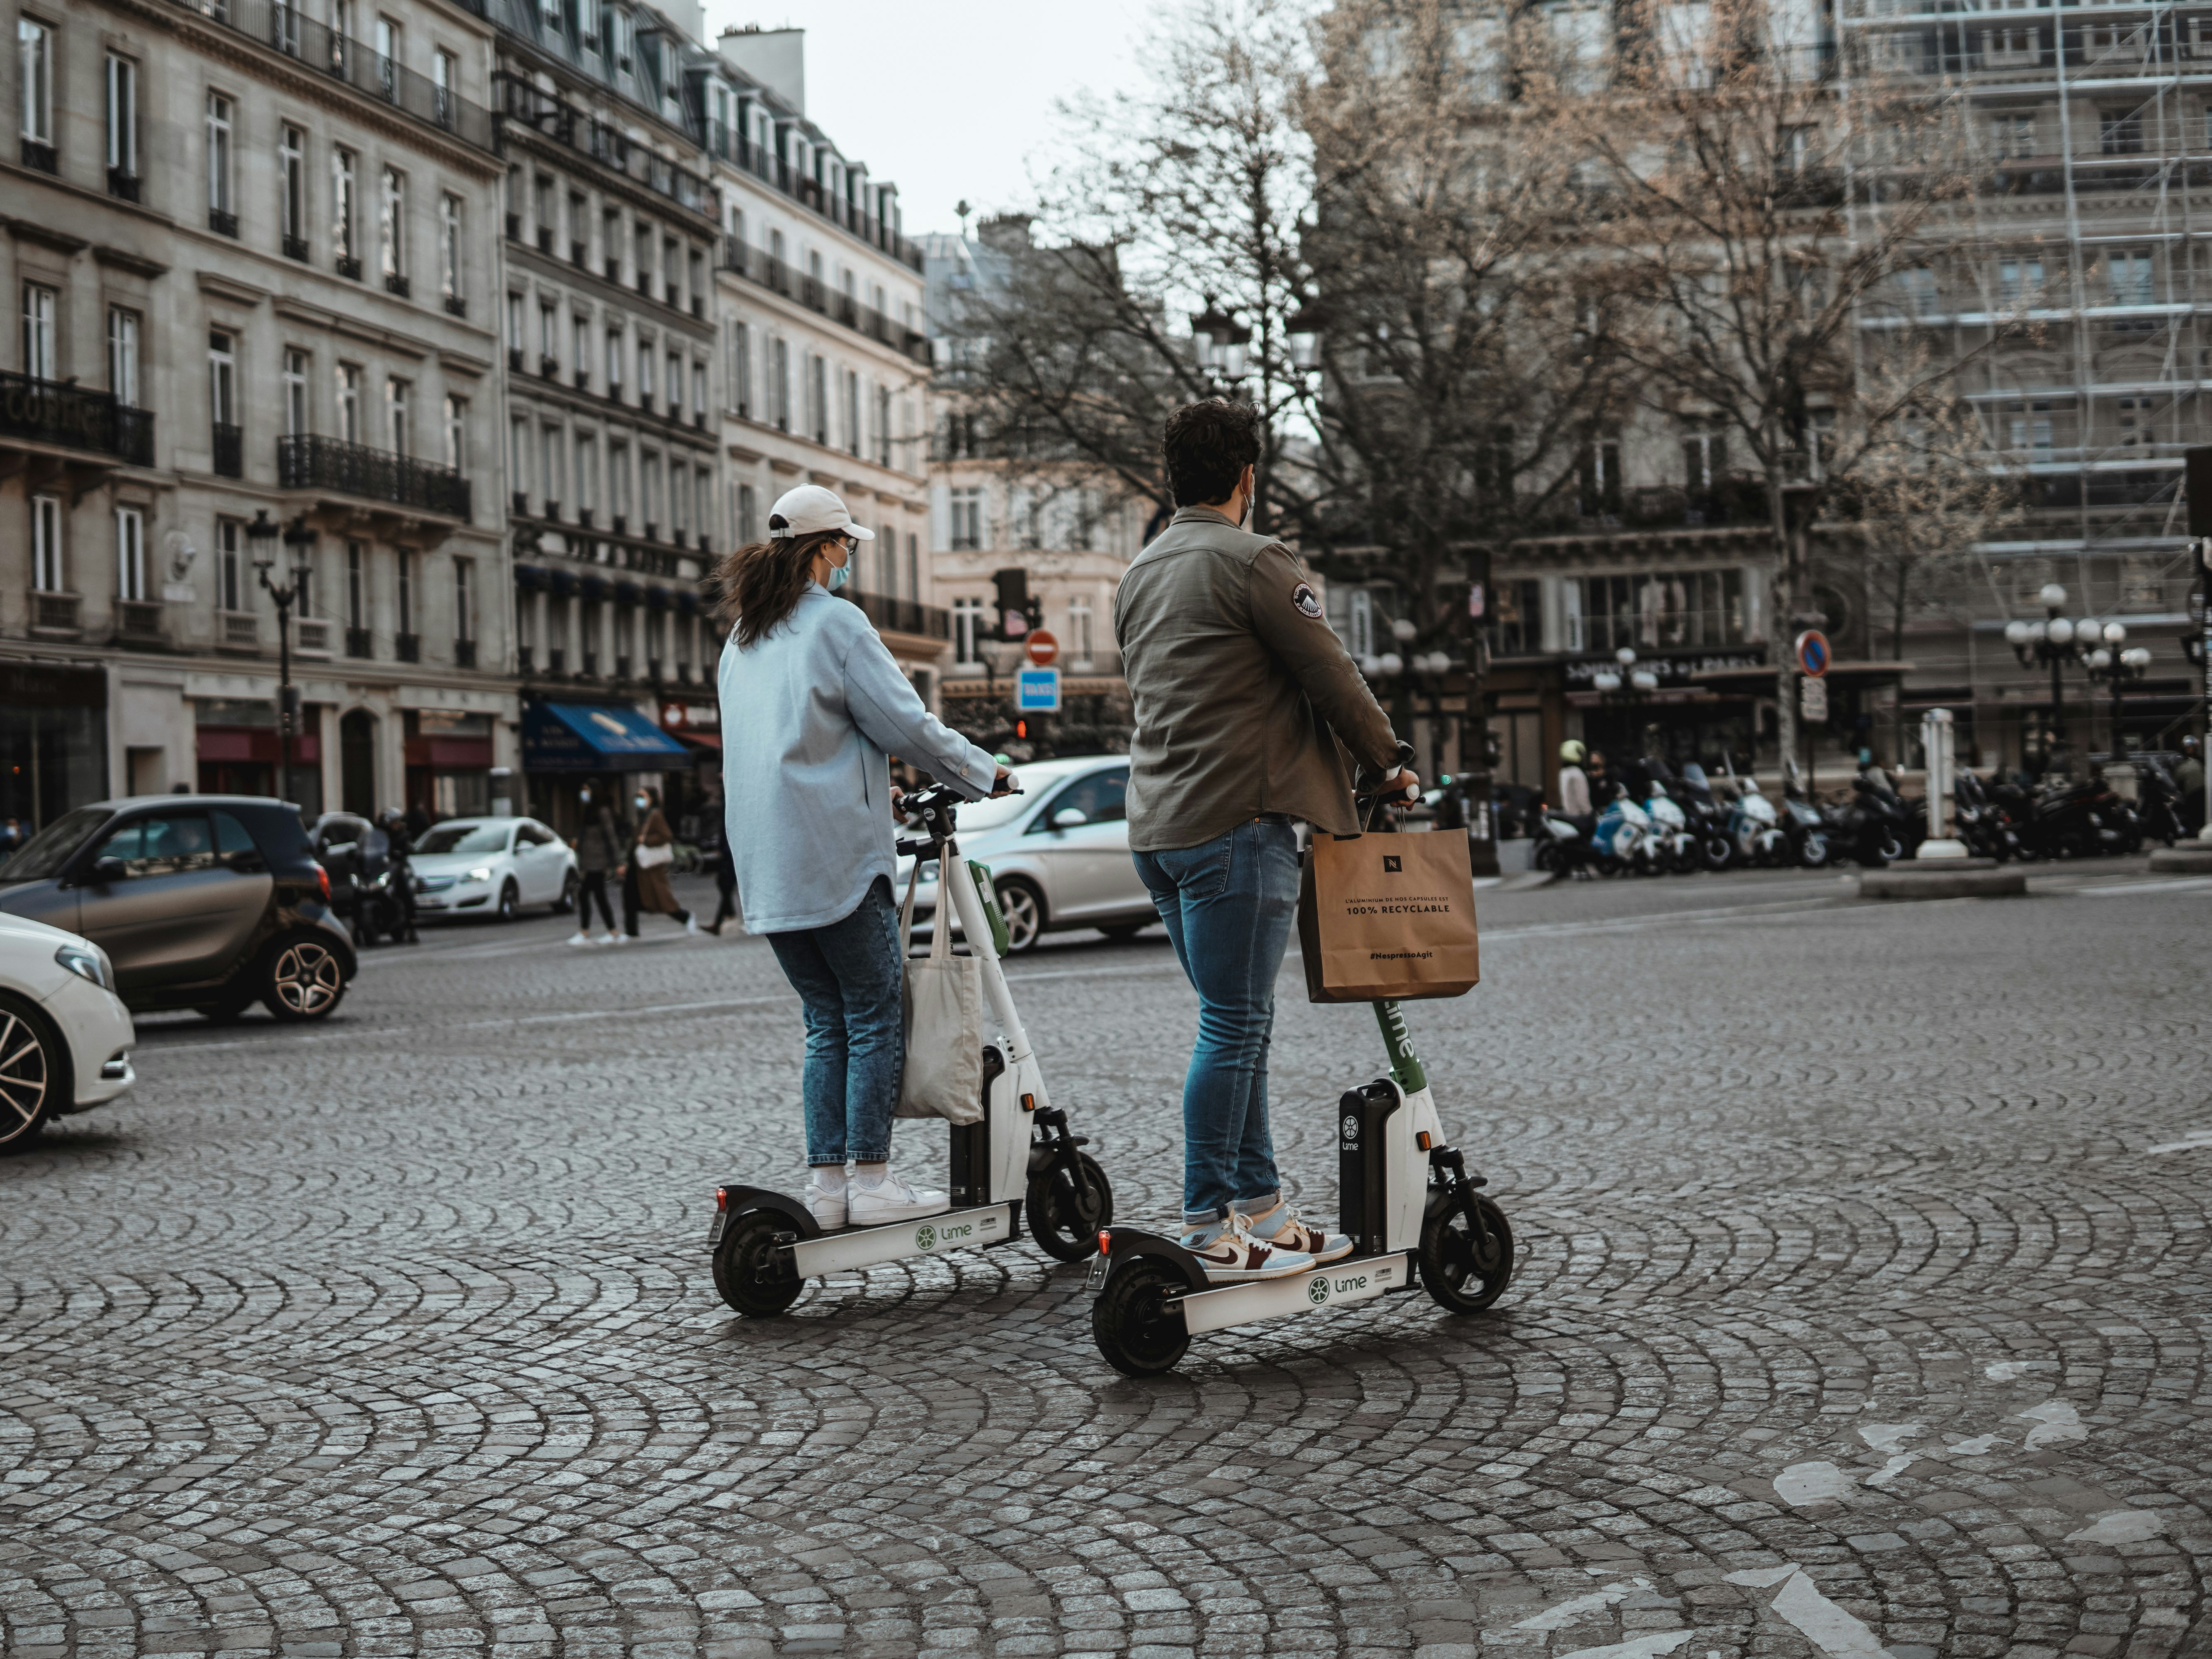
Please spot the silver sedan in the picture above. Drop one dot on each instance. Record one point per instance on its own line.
(1059, 853)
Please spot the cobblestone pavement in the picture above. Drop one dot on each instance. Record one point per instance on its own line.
(1862, 1308)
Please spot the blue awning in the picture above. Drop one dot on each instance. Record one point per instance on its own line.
(591, 737)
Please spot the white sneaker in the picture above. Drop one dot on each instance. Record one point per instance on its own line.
(1230, 1255)
(691, 924)
(891, 1199)
(1281, 1228)
(618, 939)
(610, 937)
(827, 1208)
(579, 939)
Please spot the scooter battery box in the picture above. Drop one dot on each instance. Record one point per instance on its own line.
(1363, 1164)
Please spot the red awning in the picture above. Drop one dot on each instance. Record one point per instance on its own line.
(699, 738)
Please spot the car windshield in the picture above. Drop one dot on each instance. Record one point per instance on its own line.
(464, 838)
(43, 855)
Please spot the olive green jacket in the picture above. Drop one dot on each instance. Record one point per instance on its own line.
(1245, 700)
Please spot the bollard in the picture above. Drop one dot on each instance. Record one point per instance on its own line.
(1938, 738)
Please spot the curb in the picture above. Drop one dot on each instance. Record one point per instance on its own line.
(1980, 878)
(2182, 861)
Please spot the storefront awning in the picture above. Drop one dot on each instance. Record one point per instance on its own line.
(701, 740)
(590, 737)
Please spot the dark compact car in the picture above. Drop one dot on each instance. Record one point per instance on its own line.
(206, 902)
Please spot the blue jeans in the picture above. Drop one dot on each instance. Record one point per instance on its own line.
(848, 981)
(1229, 904)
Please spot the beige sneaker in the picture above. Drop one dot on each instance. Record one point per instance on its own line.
(1233, 1255)
(1282, 1228)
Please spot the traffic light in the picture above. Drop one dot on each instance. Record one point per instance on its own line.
(1021, 728)
(1013, 585)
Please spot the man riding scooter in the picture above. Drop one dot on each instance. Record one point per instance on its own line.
(1245, 702)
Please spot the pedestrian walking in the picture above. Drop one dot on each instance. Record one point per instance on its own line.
(1575, 788)
(2189, 778)
(400, 847)
(806, 780)
(1246, 702)
(651, 854)
(726, 884)
(599, 845)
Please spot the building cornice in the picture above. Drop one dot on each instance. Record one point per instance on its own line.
(229, 288)
(29, 230)
(122, 259)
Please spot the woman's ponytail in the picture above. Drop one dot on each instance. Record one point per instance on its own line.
(758, 585)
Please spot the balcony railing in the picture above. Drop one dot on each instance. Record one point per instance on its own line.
(141, 622)
(778, 276)
(228, 444)
(464, 653)
(122, 185)
(360, 643)
(903, 615)
(563, 121)
(741, 152)
(237, 630)
(41, 157)
(55, 613)
(50, 412)
(407, 647)
(311, 636)
(313, 463)
(287, 29)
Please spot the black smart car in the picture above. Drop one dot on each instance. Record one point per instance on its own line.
(205, 902)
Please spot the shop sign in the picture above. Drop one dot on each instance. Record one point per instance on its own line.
(1679, 668)
(692, 716)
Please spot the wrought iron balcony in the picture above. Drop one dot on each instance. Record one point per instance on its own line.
(296, 247)
(229, 447)
(314, 463)
(222, 224)
(359, 644)
(408, 648)
(122, 184)
(41, 157)
(52, 412)
(56, 612)
(142, 621)
(903, 615)
(464, 653)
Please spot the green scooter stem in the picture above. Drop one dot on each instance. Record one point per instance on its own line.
(1405, 1064)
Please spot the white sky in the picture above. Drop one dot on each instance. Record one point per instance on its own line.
(950, 99)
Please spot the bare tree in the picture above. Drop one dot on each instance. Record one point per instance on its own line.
(1751, 207)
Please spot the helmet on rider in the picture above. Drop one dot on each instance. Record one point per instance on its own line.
(1571, 752)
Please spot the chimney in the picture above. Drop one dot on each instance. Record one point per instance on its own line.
(1005, 232)
(775, 58)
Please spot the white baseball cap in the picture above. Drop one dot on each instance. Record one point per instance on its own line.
(810, 509)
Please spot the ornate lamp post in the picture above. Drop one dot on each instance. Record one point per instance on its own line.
(2054, 641)
(260, 536)
(2118, 668)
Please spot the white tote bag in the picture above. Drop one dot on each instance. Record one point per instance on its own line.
(944, 1075)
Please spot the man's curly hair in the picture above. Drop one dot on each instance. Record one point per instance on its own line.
(1207, 444)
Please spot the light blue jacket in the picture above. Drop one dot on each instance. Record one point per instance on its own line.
(810, 713)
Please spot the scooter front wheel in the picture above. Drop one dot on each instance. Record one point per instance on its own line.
(1136, 1326)
(1467, 1254)
(750, 1271)
(1064, 1222)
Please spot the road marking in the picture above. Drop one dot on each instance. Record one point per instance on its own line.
(2196, 1140)
(1836, 1633)
(2058, 1421)
(1642, 1647)
(1567, 1611)
(2178, 885)
(1812, 1483)
(2121, 1526)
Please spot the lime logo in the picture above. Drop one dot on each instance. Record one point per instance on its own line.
(1351, 1126)
(1317, 1290)
(925, 1237)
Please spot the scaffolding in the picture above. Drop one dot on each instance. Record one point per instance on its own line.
(2090, 129)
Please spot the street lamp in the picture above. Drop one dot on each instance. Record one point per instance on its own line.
(2118, 668)
(1219, 341)
(1629, 684)
(260, 536)
(2054, 641)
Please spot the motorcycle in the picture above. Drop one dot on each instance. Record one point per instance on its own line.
(1981, 824)
(1805, 828)
(1674, 845)
(1870, 827)
(1708, 824)
(2159, 804)
(1624, 838)
(1561, 847)
(2070, 819)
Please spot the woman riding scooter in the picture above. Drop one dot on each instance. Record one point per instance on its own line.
(809, 807)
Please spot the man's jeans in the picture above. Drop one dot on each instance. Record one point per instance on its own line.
(1229, 904)
(848, 980)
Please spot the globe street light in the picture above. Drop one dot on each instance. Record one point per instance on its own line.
(2118, 668)
(2054, 641)
(260, 535)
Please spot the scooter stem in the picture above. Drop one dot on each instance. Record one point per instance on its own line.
(1405, 1064)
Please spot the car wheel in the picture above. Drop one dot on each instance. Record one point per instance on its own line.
(510, 902)
(1023, 907)
(305, 980)
(567, 902)
(33, 1072)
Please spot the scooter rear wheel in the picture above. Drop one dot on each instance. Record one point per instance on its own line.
(750, 1271)
(1066, 1223)
(1466, 1261)
(1136, 1328)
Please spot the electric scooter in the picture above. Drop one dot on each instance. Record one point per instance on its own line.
(1018, 1163)
(1405, 1198)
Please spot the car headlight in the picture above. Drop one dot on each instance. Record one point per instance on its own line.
(87, 962)
(481, 872)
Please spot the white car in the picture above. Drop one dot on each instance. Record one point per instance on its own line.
(65, 1036)
(492, 865)
(1059, 853)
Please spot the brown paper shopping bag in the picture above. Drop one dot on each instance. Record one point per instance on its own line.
(1387, 916)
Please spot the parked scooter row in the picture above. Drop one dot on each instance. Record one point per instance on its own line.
(1658, 823)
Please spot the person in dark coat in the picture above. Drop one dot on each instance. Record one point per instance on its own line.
(600, 846)
(647, 876)
(726, 882)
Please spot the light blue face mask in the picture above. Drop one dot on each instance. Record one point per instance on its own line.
(841, 574)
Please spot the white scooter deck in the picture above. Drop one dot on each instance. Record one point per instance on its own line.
(895, 1241)
(1355, 1279)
